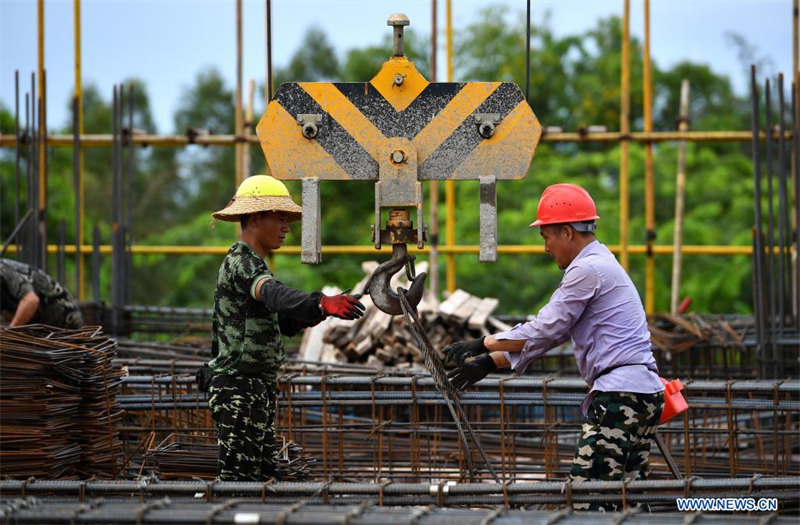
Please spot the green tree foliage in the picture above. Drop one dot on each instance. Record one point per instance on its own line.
(314, 61)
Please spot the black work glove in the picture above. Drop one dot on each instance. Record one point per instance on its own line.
(473, 370)
(461, 351)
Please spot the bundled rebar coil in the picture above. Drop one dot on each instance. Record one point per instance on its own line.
(184, 456)
(58, 398)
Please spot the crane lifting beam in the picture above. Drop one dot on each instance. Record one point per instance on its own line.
(398, 129)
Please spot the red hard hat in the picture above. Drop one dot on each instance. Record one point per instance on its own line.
(564, 203)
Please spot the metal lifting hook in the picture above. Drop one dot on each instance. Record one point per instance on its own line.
(378, 286)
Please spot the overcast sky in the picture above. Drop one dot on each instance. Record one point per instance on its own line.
(167, 42)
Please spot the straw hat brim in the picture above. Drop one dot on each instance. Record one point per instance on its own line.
(245, 205)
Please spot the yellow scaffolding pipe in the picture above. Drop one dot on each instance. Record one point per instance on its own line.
(624, 128)
(144, 140)
(81, 174)
(508, 249)
(649, 182)
(450, 187)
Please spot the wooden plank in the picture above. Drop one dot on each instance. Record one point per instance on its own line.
(464, 311)
(451, 304)
(364, 346)
(477, 320)
(312, 342)
(497, 325)
(386, 355)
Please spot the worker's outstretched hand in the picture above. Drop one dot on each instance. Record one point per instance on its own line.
(459, 352)
(342, 306)
(473, 370)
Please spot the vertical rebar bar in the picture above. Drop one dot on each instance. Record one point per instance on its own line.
(16, 152)
(41, 149)
(528, 54)
(238, 146)
(783, 219)
(769, 273)
(61, 253)
(128, 230)
(76, 164)
(79, 188)
(27, 236)
(796, 166)
(758, 292)
(116, 210)
(33, 159)
(450, 186)
(43, 169)
(433, 186)
(268, 87)
(96, 264)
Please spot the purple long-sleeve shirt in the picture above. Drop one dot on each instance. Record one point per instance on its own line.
(597, 305)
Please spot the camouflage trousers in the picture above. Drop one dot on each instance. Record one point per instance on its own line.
(244, 410)
(615, 440)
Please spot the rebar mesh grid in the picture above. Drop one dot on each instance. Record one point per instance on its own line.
(382, 427)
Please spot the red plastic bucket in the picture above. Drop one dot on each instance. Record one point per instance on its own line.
(674, 402)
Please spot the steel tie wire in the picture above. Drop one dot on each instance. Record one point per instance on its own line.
(418, 513)
(559, 516)
(355, 513)
(216, 509)
(380, 493)
(150, 506)
(626, 513)
(568, 489)
(506, 502)
(281, 519)
(625, 482)
(753, 479)
(489, 518)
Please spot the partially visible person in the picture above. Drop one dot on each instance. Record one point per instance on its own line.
(252, 310)
(30, 296)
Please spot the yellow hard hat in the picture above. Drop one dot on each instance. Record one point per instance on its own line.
(260, 193)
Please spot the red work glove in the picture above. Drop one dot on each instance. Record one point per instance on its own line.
(342, 306)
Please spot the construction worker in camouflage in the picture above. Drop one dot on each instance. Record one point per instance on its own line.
(251, 311)
(598, 307)
(28, 295)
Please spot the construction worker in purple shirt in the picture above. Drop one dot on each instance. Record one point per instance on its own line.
(597, 306)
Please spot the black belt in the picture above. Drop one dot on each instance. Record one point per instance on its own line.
(653, 368)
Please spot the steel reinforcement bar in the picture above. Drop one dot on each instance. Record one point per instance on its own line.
(167, 511)
(786, 488)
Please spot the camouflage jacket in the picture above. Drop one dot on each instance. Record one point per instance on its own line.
(246, 337)
(56, 305)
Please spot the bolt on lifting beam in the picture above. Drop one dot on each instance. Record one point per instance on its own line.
(398, 130)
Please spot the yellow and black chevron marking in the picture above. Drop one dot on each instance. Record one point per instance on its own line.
(438, 119)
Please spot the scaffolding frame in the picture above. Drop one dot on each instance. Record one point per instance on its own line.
(451, 248)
